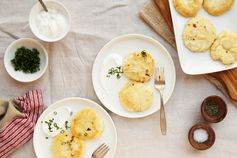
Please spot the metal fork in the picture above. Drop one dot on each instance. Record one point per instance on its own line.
(160, 86)
(101, 151)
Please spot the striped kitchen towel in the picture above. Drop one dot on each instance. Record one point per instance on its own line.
(20, 130)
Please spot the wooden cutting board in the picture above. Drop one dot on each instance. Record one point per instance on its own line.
(226, 81)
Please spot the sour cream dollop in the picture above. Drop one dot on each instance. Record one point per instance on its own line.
(51, 24)
(55, 121)
(112, 60)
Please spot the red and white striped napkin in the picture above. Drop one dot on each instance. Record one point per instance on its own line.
(20, 130)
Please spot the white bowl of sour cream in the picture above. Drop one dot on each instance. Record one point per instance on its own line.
(50, 26)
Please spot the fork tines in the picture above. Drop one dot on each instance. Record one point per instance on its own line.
(160, 74)
(101, 151)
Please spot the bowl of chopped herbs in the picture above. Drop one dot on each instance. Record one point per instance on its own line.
(26, 60)
(213, 109)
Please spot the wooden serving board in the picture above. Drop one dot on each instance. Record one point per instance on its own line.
(226, 81)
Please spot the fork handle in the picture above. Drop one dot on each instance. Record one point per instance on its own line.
(163, 126)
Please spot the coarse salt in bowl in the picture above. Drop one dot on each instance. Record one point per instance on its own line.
(50, 26)
(200, 135)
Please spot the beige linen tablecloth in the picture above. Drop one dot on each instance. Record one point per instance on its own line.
(95, 22)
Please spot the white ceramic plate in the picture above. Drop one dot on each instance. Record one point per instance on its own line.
(201, 63)
(38, 8)
(107, 89)
(42, 145)
(10, 54)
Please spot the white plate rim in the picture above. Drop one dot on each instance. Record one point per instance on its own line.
(129, 36)
(44, 52)
(54, 105)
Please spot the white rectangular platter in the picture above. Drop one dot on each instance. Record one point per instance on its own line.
(201, 63)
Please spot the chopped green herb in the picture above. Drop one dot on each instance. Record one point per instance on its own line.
(212, 108)
(51, 120)
(26, 60)
(117, 71)
(55, 113)
(56, 126)
(71, 113)
(49, 125)
(64, 143)
(144, 53)
(46, 137)
(66, 125)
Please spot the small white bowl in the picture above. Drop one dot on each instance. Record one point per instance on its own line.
(10, 54)
(35, 11)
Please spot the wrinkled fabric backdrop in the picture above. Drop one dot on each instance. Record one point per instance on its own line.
(94, 23)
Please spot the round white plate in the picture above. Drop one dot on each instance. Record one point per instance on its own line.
(10, 54)
(42, 145)
(107, 89)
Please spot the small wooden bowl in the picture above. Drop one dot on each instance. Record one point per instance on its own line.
(221, 106)
(205, 145)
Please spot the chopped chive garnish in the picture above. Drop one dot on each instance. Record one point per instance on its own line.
(66, 125)
(117, 71)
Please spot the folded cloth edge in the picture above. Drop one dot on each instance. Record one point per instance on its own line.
(20, 130)
(152, 16)
(11, 113)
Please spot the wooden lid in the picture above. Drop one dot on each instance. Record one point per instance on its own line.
(222, 109)
(205, 145)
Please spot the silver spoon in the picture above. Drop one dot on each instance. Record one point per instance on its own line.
(43, 5)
